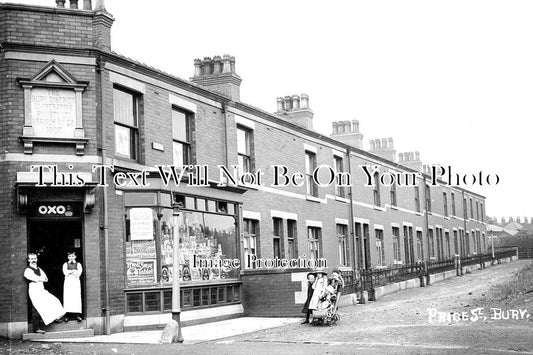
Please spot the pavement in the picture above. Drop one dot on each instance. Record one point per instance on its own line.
(191, 334)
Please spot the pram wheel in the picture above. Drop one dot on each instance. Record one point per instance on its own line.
(336, 318)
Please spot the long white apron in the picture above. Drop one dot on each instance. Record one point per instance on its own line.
(72, 294)
(45, 303)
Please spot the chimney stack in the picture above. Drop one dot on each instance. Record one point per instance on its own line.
(295, 109)
(348, 133)
(411, 160)
(218, 74)
(384, 148)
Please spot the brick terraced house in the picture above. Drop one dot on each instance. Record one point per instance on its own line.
(68, 103)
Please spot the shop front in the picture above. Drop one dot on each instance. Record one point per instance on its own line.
(207, 229)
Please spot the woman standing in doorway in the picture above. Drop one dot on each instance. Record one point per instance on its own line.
(72, 287)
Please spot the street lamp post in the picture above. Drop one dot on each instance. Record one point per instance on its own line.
(176, 309)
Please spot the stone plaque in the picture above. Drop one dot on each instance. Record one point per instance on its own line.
(53, 112)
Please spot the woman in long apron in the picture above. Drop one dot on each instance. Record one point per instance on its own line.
(72, 287)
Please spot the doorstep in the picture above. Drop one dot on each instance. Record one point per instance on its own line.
(62, 334)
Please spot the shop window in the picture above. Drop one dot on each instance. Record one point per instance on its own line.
(244, 149)
(380, 247)
(126, 117)
(181, 137)
(292, 239)
(396, 244)
(310, 166)
(141, 256)
(250, 239)
(152, 301)
(277, 238)
(207, 242)
(342, 236)
(314, 236)
(134, 302)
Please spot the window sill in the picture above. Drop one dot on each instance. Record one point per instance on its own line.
(379, 208)
(419, 213)
(447, 218)
(394, 207)
(342, 199)
(313, 198)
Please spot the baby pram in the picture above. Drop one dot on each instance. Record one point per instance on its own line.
(327, 311)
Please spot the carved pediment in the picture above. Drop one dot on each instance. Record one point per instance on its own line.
(53, 75)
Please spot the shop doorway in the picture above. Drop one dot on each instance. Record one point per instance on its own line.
(52, 239)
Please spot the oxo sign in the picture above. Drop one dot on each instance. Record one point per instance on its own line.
(53, 210)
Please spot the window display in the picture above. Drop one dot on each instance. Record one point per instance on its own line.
(208, 244)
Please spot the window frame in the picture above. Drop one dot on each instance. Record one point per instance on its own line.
(134, 130)
(188, 145)
(247, 155)
(310, 167)
(314, 238)
(343, 242)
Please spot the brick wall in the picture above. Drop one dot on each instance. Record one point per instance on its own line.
(272, 294)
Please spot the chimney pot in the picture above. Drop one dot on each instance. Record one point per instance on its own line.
(335, 127)
(60, 3)
(232, 65)
(280, 104)
(304, 101)
(197, 67)
(87, 5)
(100, 6)
(206, 66)
(73, 4)
(400, 157)
(288, 103)
(384, 143)
(295, 102)
(355, 126)
(417, 156)
(217, 64)
(390, 144)
(226, 63)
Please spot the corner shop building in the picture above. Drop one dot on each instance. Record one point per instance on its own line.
(68, 101)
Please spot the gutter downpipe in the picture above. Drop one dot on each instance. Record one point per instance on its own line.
(225, 116)
(426, 205)
(105, 227)
(351, 219)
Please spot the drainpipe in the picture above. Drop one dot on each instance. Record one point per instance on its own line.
(426, 269)
(107, 311)
(351, 219)
(225, 116)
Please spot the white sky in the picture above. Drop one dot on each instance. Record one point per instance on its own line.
(452, 79)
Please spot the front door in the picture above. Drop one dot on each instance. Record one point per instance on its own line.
(51, 236)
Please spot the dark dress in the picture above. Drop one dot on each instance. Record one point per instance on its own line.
(309, 296)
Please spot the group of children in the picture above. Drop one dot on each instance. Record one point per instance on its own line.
(321, 291)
